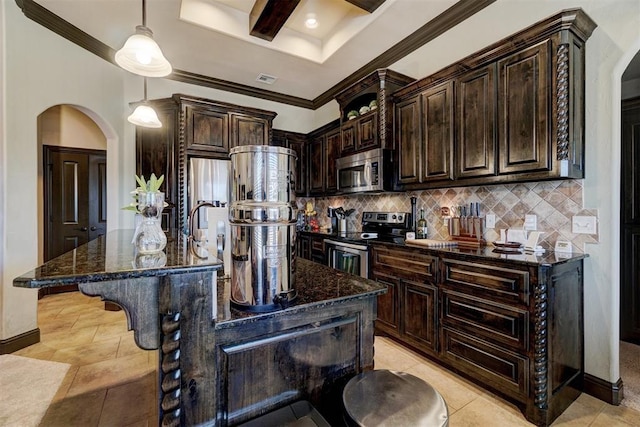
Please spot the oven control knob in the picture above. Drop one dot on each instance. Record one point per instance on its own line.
(393, 216)
(399, 217)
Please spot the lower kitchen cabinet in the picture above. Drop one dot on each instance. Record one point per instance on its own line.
(409, 309)
(513, 326)
(311, 246)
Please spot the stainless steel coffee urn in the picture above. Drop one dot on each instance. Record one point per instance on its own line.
(262, 215)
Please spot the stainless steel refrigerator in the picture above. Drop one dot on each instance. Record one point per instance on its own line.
(208, 182)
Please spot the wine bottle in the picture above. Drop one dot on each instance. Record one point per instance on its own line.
(421, 227)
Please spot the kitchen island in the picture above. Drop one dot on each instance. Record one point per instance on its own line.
(218, 365)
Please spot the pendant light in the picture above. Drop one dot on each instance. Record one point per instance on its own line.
(141, 54)
(144, 115)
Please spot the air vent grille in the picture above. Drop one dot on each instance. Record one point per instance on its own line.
(266, 78)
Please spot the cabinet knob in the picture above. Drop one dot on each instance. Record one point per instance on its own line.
(82, 229)
(93, 228)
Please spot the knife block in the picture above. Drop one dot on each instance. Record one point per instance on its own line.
(467, 231)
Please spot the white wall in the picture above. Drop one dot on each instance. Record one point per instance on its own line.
(609, 50)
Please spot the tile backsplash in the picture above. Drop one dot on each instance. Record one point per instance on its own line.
(553, 202)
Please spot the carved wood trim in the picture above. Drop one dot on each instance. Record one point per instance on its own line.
(562, 101)
(540, 356)
(170, 375)
(139, 299)
(182, 170)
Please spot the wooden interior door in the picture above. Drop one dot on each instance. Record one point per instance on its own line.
(630, 223)
(75, 198)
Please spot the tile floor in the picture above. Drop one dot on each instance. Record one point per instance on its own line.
(111, 382)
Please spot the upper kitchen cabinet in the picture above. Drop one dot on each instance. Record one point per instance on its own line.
(298, 143)
(475, 154)
(366, 110)
(212, 128)
(193, 127)
(324, 148)
(517, 112)
(424, 136)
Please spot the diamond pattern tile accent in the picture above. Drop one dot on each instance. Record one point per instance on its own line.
(554, 203)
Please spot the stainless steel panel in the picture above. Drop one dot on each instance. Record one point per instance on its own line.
(263, 235)
(208, 182)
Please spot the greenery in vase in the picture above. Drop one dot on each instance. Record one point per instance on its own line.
(151, 185)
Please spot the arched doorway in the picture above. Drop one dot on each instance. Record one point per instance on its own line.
(630, 234)
(72, 181)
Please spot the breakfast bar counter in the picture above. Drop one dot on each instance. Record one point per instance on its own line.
(219, 365)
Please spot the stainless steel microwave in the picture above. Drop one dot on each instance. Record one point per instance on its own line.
(369, 171)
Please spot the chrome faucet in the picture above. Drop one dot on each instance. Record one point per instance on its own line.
(192, 214)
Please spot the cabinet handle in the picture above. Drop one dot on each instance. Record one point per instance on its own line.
(93, 228)
(82, 229)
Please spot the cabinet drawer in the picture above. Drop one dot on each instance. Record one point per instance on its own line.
(487, 281)
(405, 263)
(498, 367)
(496, 323)
(317, 245)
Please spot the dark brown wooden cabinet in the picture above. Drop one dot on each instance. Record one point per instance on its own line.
(193, 127)
(408, 136)
(206, 129)
(514, 327)
(436, 145)
(374, 128)
(157, 152)
(409, 309)
(298, 143)
(524, 110)
(518, 111)
(310, 246)
(324, 148)
(250, 130)
(475, 153)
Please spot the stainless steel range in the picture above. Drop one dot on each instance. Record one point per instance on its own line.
(350, 252)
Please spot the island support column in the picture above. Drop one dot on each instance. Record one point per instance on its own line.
(174, 314)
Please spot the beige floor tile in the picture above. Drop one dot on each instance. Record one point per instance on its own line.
(388, 355)
(80, 410)
(37, 351)
(483, 413)
(130, 403)
(113, 329)
(109, 373)
(89, 353)
(128, 346)
(66, 383)
(456, 393)
(63, 339)
(617, 416)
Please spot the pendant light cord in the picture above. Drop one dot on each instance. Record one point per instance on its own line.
(145, 89)
(144, 13)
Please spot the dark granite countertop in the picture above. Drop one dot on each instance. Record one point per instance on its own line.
(488, 252)
(547, 258)
(112, 257)
(316, 284)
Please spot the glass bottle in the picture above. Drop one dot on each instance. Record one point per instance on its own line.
(149, 237)
(421, 226)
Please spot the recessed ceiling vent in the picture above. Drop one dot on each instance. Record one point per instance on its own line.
(266, 78)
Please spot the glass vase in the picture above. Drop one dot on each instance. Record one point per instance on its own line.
(148, 236)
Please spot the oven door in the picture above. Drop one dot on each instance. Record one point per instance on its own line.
(348, 257)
